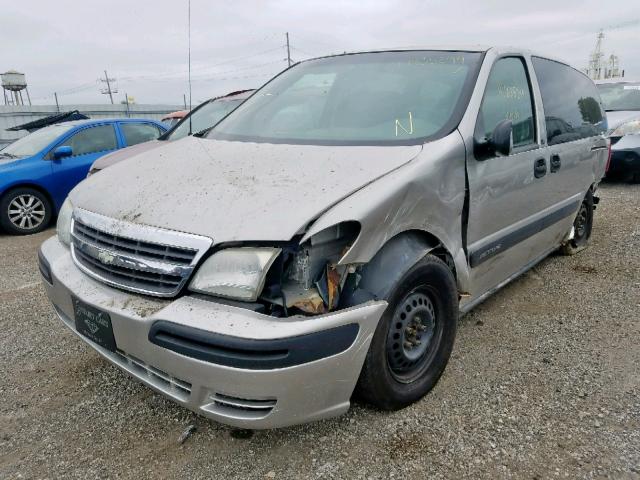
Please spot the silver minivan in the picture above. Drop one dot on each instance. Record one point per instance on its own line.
(322, 241)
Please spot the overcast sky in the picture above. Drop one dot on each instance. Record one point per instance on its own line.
(63, 46)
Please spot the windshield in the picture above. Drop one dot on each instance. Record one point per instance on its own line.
(620, 96)
(204, 117)
(34, 142)
(358, 99)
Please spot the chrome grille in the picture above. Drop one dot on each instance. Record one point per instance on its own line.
(163, 381)
(128, 277)
(180, 256)
(134, 257)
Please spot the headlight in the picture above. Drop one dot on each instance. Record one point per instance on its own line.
(63, 227)
(237, 273)
(626, 128)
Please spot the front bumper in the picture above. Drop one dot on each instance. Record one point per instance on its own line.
(625, 155)
(242, 397)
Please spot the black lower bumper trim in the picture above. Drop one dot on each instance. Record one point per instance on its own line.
(252, 354)
(45, 269)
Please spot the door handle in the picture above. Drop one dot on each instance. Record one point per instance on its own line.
(555, 163)
(540, 168)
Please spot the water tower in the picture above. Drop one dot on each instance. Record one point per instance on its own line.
(13, 83)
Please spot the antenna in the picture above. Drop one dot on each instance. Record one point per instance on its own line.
(189, 35)
(288, 51)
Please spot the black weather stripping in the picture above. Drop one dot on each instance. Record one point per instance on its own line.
(252, 354)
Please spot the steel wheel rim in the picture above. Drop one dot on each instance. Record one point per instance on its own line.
(414, 335)
(581, 221)
(26, 212)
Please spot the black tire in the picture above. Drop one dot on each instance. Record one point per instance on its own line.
(390, 381)
(582, 226)
(24, 211)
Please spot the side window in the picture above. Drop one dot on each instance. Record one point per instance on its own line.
(92, 140)
(571, 102)
(508, 97)
(135, 133)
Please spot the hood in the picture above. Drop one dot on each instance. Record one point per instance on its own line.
(232, 191)
(124, 153)
(8, 163)
(618, 117)
(4, 162)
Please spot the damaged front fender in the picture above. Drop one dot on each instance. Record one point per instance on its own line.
(384, 271)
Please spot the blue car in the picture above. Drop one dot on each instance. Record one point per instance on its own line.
(39, 170)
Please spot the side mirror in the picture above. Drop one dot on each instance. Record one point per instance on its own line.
(502, 137)
(500, 143)
(62, 151)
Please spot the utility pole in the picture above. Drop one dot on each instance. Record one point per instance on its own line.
(126, 101)
(288, 51)
(108, 90)
(55, 94)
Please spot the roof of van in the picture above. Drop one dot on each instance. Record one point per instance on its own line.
(616, 80)
(455, 48)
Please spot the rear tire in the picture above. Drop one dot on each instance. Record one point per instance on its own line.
(414, 338)
(24, 211)
(582, 225)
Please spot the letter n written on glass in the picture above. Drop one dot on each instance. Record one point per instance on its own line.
(399, 126)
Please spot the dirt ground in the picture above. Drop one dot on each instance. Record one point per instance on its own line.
(544, 382)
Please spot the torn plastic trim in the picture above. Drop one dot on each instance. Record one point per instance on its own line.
(377, 278)
(310, 277)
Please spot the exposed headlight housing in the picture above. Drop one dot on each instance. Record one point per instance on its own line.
(236, 273)
(63, 226)
(312, 277)
(626, 128)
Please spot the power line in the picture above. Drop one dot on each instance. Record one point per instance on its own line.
(310, 55)
(196, 69)
(168, 76)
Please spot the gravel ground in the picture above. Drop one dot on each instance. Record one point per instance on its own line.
(543, 383)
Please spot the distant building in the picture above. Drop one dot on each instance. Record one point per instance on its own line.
(599, 68)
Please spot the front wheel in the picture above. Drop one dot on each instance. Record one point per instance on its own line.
(414, 338)
(24, 211)
(582, 225)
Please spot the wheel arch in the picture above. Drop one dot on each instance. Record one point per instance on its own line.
(396, 256)
(33, 186)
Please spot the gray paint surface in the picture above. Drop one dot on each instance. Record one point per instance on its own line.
(124, 153)
(235, 191)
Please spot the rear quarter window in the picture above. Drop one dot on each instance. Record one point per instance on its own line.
(135, 133)
(571, 102)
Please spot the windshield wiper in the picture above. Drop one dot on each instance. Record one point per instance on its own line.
(8, 155)
(202, 132)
